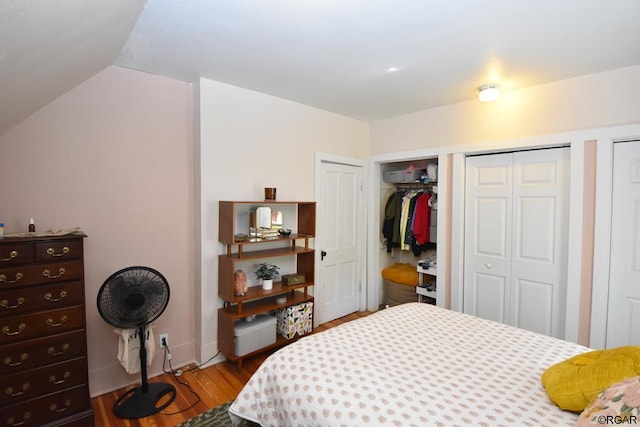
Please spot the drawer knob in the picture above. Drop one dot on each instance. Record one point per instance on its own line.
(48, 274)
(11, 392)
(8, 332)
(9, 361)
(52, 350)
(12, 255)
(3, 278)
(63, 319)
(5, 304)
(54, 380)
(49, 297)
(12, 421)
(55, 408)
(52, 251)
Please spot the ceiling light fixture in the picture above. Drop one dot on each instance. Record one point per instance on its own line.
(489, 92)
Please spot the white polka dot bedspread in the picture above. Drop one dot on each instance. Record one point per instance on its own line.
(409, 365)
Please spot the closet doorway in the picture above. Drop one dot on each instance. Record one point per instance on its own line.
(515, 250)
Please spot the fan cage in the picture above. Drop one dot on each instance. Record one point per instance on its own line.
(133, 297)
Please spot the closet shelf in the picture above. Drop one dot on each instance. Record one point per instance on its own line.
(414, 185)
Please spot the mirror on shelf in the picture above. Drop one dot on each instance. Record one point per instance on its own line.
(276, 220)
(263, 218)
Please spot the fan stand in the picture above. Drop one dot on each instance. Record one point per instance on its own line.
(141, 401)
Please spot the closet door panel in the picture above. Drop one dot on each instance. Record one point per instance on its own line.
(491, 226)
(516, 207)
(487, 270)
(490, 297)
(623, 306)
(540, 213)
(536, 228)
(533, 306)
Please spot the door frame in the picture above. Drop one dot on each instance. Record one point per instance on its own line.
(319, 159)
(374, 282)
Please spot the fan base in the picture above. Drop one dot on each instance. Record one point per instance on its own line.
(136, 403)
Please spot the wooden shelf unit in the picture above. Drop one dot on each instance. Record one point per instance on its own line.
(257, 300)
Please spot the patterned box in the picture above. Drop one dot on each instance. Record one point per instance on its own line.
(295, 320)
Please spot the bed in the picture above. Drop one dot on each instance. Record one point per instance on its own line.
(410, 365)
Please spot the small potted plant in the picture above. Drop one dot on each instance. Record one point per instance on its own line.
(267, 272)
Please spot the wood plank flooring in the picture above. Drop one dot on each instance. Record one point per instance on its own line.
(214, 385)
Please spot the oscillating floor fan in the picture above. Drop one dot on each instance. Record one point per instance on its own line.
(133, 298)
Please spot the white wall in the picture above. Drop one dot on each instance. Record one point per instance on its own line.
(248, 141)
(591, 101)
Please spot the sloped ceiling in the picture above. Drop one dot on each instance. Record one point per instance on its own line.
(48, 47)
(369, 59)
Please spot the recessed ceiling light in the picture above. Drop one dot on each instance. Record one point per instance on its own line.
(392, 69)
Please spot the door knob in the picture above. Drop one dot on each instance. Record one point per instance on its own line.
(322, 255)
(487, 265)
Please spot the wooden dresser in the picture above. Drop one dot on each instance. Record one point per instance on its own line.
(43, 345)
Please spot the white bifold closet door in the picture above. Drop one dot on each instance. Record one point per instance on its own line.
(515, 259)
(623, 310)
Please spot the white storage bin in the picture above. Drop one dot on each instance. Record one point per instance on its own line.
(254, 335)
(399, 176)
(393, 176)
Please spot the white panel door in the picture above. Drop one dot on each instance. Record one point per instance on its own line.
(539, 251)
(339, 272)
(515, 239)
(623, 311)
(487, 271)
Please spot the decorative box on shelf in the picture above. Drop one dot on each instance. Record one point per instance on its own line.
(295, 320)
(292, 279)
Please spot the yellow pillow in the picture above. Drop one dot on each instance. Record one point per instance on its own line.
(403, 273)
(573, 383)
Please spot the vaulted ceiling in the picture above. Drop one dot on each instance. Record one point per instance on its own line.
(368, 59)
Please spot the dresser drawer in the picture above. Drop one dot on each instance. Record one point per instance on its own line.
(27, 299)
(19, 328)
(38, 382)
(15, 254)
(46, 409)
(42, 351)
(40, 274)
(58, 250)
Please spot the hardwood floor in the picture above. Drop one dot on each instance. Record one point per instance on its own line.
(214, 385)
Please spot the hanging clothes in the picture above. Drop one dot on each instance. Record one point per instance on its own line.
(422, 225)
(422, 222)
(407, 220)
(129, 348)
(407, 213)
(392, 213)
